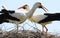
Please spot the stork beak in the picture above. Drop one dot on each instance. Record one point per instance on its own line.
(44, 8)
(22, 7)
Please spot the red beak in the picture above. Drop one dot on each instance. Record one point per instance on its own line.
(22, 7)
(44, 8)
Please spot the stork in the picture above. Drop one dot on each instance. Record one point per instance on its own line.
(22, 17)
(4, 16)
(45, 19)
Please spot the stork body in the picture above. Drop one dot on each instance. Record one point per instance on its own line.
(6, 17)
(47, 18)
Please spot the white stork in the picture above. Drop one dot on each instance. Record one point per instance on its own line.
(4, 14)
(47, 18)
(21, 17)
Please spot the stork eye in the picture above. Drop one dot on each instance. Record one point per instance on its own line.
(24, 7)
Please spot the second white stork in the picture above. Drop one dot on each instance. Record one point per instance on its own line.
(47, 18)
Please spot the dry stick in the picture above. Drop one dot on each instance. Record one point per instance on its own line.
(23, 26)
(35, 24)
(34, 27)
(1, 27)
(28, 32)
(13, 27)
(10, 28)
(17, 31)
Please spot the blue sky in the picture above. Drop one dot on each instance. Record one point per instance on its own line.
(51, 5)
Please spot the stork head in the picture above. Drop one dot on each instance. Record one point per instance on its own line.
(39, 5)
(24, 7)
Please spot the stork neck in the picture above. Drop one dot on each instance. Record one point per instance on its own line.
(30, 13)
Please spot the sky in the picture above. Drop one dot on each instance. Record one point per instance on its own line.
(51, 5)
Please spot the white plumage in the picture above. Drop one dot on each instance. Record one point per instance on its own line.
(37, 18)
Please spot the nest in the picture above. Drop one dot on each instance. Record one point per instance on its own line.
(26, 34)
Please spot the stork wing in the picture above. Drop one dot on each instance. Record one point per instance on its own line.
(37, 18)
